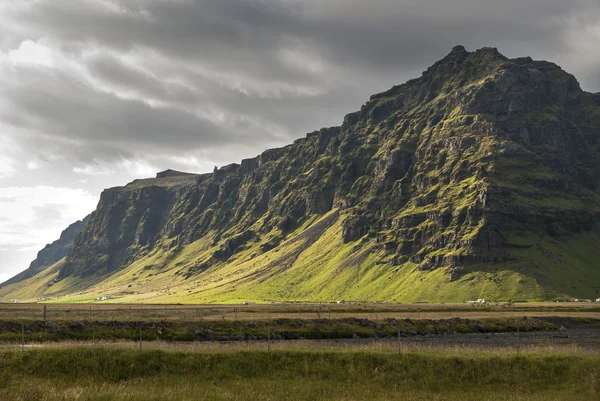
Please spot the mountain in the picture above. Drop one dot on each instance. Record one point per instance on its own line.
(480, 179)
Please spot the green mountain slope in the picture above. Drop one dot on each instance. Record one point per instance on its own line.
(479, 179)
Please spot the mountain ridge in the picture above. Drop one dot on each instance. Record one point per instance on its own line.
(477, 172)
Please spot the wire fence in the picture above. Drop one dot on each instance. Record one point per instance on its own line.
(501, 343)
(140, 326)
(122, 313)
(266, 312)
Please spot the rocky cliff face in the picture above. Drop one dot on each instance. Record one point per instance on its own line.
(478, 157)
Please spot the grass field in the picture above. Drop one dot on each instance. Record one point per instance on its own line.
(295, 352)
(374, 311)
(97, 373)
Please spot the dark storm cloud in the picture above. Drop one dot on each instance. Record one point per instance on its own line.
(224, 33)
(251, 60)
(378, 33)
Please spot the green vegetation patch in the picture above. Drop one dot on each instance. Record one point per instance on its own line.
(279, 329)
(102, 374)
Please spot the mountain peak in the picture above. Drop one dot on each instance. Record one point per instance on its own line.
(478, 179)
(458, 49)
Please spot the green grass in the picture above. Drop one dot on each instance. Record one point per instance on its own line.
(104, 374)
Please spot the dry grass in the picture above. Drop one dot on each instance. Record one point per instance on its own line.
(379, 346)
(300, 371)
(375, 312)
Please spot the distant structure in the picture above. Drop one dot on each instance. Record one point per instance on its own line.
(479, 302)
(104, 298)
(581, 300)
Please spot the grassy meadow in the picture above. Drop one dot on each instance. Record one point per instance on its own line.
(97, 373)
(91, 352)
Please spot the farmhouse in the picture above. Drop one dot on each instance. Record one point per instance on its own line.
(579, 300)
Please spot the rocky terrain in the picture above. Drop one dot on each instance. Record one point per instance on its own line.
(478, 179)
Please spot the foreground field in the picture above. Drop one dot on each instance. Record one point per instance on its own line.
(94, 374)
(297, 352)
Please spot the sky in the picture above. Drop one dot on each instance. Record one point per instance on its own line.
(96, 93)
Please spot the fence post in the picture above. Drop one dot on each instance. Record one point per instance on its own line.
(518, 336)
(235, 310)
(45, 312)
(329, 311)
(140, 337)
(22, 337)
(269, 337)
(398, 327)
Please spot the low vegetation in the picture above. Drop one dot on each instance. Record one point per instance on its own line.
(110, 374)
(278, 329)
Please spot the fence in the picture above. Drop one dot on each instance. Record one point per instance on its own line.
(377, 312)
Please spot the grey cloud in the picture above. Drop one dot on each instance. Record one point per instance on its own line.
(367, 47)
(74, 111)
(378, 34)
(116, 72)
